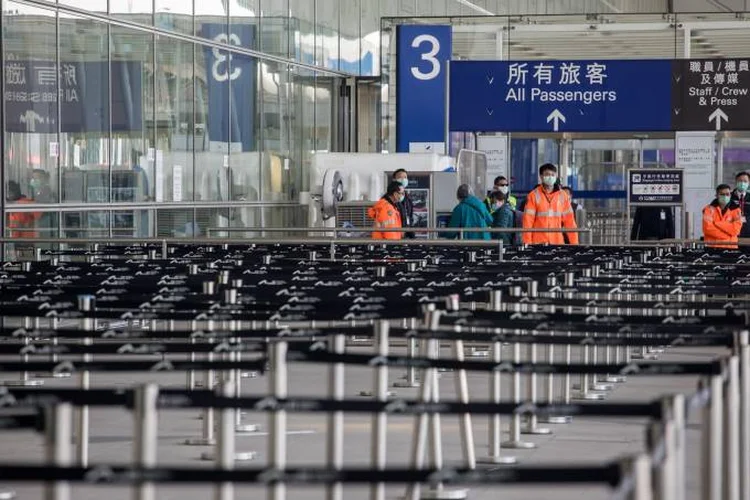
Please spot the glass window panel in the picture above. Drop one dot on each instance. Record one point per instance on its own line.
(174, 15)
(275, 124)
(175, 131)
(302, 31)
(136, 165)
(276, 28)
(244, 21)
(350, 51)
(211, 19)
(212, 74)
(31, 118)
(327, 34)
(136, 11)
(370, 38)
(91, 5)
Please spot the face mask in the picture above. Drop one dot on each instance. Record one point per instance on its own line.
(504, 189)
(34, 184)
(499, 205)
(742, 186)
(723, 199)
(399, 198)
(404, 182)
(549, 180)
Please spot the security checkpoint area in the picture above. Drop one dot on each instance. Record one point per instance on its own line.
(203, 306)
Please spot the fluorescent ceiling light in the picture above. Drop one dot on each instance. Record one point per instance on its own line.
(475, 7)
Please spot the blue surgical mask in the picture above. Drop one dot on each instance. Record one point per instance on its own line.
(742, 186)
(723, 200)
(404, 182)
(549, 180)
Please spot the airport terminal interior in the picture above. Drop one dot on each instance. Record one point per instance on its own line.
(374, 249)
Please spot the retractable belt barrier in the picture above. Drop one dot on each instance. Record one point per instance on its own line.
(230, 310)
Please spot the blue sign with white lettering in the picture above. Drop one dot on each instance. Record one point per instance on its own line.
(561, 96)
(423, 53)
(33, 90)
(231, 115)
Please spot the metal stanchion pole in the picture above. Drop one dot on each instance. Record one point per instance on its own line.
(145, 440)
(335, 451)
(732, 431)
(712, 441)
(59, 421)
(744, 353)
(225, 444)
(514, 438)
(380, 420)
(278, 377)
(207, 438)
(638, 468)
(677, 405)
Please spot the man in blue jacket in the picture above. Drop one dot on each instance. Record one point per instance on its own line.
(470, 212)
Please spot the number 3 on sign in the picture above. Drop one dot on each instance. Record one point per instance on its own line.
(427, 56)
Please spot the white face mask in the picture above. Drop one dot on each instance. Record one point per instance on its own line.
(504, 189)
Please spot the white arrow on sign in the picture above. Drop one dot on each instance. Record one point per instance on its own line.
(490, 111)
(490, 79)
(556, 117)
(718, 115)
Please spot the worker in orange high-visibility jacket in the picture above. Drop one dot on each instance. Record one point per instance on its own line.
(722, 220)
(386, 213)
(548, 206)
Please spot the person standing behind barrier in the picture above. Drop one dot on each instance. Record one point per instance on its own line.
(405, 207)
(548, 207)
(722, 220)
(502, 185)
(470, 212)
(385, 212)
(742, 182)
(21, 224)
(652, 223)
(502, 217)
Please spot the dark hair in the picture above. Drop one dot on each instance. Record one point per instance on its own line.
(398, 172)
(393, 188)
(568, 189)
(723, 186)
(740, 174)
(463, 191)
(14, 191)
(499, 196)
(499, 178)
(547, 167)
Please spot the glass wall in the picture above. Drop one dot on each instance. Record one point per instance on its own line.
(134, 130)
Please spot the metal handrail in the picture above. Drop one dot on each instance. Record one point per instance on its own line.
(147, 205)
(337, 230)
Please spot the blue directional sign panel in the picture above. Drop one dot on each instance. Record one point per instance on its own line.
(561, 96)
(422, 74)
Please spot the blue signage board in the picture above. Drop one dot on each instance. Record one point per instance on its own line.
(561, 96)
(231, 86)
(421, 79)
(34, 89)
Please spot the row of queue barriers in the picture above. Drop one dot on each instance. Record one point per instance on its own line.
(226, 310)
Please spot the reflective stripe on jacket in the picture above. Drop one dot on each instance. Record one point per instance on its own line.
(547, 211)
(386, 216)
(722, 225)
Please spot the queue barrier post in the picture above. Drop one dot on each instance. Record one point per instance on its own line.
(145, 437)
(58, 423)
(380, 419)
(278, 388)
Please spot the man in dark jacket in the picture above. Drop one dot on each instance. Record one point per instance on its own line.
(470, 213)
(740, 196)
(406, 207)
(652, 223)
(503, 217)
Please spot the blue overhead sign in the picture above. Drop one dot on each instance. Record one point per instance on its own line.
(422, 74)
(561, 96)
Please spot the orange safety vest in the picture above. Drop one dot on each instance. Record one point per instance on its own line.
(722, 225)
(548, 210)
(386, 216)
(22, 220)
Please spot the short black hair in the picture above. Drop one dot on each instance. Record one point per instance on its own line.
(740, 174)
(499, 178)
(547, 167)
(499, 196)
(398, 172)
(568, 189)
(393, 187)
(723, 186)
